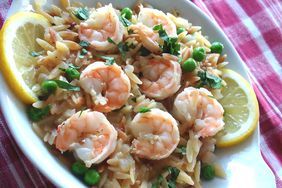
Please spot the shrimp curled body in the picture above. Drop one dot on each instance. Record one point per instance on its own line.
(108, 85)
(89, 134)
(161, 76)
(102, 24)
(147, 19)
(198, 107)
(156, 134)
(152, 17)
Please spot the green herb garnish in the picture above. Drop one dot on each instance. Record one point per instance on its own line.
(74, 67)
(130, 31)
(84, 44)
(122, 47)
(134, 99)
(174, 172)
(157, 183)
(181, 150)
(170, 44)
(35, 54)
(209, 80)
(111, 40)
(125, 22)
(81, 13)
(82, 111)
(36, 114)
(66, 85)
(109, 60)
(171, 179)
(144, 51)
(144, 110)
(83, 51)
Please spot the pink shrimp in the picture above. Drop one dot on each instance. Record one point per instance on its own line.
(108, 85)
(156, 134)
(161, 76)
(102, 24)
(197, 107)
(89, 134)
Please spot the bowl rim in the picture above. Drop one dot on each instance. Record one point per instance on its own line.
(52, 176)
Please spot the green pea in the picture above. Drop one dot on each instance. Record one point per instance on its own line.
(127, 13)
(217, 47)
(91, 177)
(189, 65)
(199, 53)
(49, 86)
(72, 73)
(207, 172)
(78, 168)
(180, 30)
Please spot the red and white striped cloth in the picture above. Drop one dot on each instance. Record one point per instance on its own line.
(254, 28)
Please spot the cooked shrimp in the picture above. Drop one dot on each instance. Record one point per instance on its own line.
(102, 24)
(151, 17)
(107, 84)
(147, 19)
(161, 76)
(198, 107)
(89, 134)
(147, 36)
(156, 134)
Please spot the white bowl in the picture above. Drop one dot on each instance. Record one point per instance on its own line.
(243, 164)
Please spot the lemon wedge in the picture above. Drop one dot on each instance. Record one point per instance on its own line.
(241, 111)
(17, 41)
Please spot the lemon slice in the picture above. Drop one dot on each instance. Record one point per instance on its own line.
(241, 110)
(17, 40)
